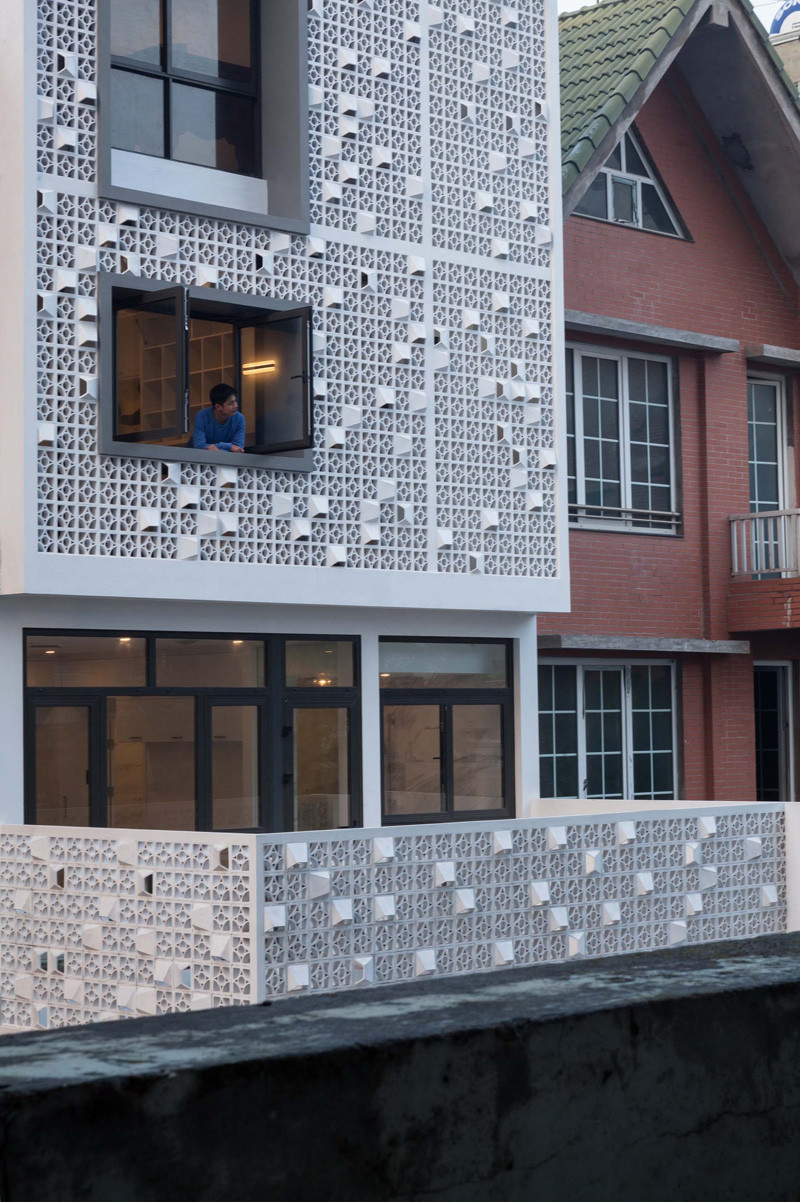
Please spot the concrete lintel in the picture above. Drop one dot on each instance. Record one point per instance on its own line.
(641, 331)
(534, 1082)
(622, 642)
(773, 356)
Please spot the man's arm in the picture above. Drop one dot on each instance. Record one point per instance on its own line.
(237, 442)
(198, 432)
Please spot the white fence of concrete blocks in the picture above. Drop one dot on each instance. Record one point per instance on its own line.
(101, 924)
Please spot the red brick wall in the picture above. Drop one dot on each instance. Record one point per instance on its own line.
(728, 280)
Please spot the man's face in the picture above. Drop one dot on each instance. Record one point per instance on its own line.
(228, 409)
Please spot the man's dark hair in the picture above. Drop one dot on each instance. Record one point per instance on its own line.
(220, 393)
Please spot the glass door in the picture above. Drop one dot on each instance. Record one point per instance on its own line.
(774, 752)
(605, 756)
(63, 763)
(234, 772)
(318, 767)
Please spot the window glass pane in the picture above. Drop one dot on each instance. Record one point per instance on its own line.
(137, 113)
(603, 718)
(147, 398)
(570, 391)
(213, 129)
(412, 752)
(77, 661)
(211, 361)
(558, 731)
(234, 766)
(623, 194)
(478, 757)
(651, 720)
(312, 663)
(209, 663)
(151, 762)
(615, 158)
(594, 202)
(275, 384)
(633, 161)
(62, 734)
(442, 665)
(136, 30)
(212, 37)
(321, 769)
(654, 212)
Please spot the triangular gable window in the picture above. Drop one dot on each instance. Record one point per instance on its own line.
(627, 191)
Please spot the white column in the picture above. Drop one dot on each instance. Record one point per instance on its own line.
(526, 720)
(371, 729)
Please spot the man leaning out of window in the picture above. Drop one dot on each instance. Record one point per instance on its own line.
(221, 426)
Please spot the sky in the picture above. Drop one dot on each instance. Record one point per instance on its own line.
(765, 9)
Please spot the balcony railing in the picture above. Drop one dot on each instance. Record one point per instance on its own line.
(765, 545)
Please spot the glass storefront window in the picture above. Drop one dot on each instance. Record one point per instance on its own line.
(209, 663)
(432, 665)
(235, 788)
(321, 768)
(412, 759)
(185, 731)
(151, 762)
(317, 664)
(447, 733)
(85, 661)
(62, 735)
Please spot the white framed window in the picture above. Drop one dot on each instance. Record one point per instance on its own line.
(607, 730)
(620, 440)
(627, 191)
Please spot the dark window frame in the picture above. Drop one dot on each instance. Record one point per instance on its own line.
(228, 306)
(282, 56)
(274, 697)
(445, 699)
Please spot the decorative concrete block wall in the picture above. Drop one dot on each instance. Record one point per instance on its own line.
(366, 908)
(98, 925)
(101, 925)
(428, 266)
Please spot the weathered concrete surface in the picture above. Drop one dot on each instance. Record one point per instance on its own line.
(662, 1076)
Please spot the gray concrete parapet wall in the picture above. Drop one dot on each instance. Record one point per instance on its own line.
(660, 1076)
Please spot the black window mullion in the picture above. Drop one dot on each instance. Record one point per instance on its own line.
(166, 59)
(98, 758)
(202, 750)
(446, 754)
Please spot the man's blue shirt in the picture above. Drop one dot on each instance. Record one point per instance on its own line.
(222, 434)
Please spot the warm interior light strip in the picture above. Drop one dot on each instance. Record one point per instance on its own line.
(255, 369)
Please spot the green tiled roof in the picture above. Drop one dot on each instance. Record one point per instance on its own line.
(606, 53)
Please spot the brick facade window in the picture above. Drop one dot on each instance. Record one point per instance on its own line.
(620, 441)
(607, 730)
(627, 191)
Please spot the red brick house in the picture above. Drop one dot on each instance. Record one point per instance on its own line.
(676, 672)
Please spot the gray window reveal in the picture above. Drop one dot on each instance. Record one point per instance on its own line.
(163, 350)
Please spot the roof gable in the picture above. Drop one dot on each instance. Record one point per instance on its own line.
(615, 53)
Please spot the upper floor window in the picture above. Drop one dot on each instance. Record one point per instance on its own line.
(163, 351)
(627, 190)
(184, 81)
(620, 441)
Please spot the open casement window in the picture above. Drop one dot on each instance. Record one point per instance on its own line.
(627, 191)
(274, 381)
(620, 441)
(149, 342)
(172, 347)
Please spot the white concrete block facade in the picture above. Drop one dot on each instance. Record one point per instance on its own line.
(105, 925)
